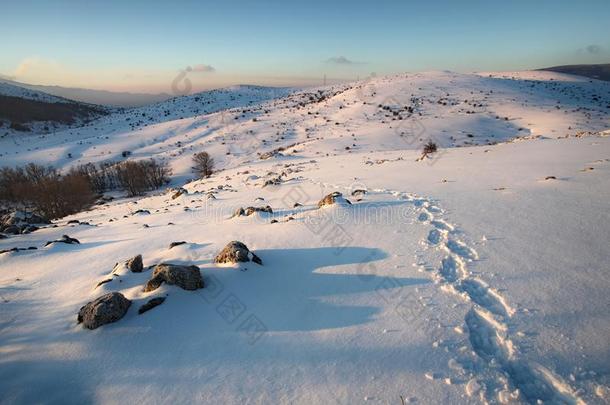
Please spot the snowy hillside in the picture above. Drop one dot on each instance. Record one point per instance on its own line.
(478, 274)
(7, 89)
(91, 96)
(24, 110)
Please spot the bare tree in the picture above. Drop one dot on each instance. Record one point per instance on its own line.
(204, 164)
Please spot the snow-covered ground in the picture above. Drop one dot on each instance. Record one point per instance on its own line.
(7, 89)
(478, 275)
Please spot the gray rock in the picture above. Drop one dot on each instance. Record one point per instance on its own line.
(267, 155)
(153, 302)
(106, 309)
(103, 282)
(178, 193)
(28, 229)
(235, 252)
(332, 198)
(64, 239)
(135, 264)
(174, 244)
(22, 217)
(251, 210)
(12, 230)
(276, 181)
(185, 277)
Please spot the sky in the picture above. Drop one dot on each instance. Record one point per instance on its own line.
(146, 46)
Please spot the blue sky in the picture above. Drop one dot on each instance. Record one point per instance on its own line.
(141, 46)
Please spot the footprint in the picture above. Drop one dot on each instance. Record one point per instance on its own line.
(535, 383)
(435, 237)
(480, 293)
(460, 249)
(440, 224)
(451, 269)
(434, 209)
(424, 216)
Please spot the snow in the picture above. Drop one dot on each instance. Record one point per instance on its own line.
(10, 90)
(465, 277)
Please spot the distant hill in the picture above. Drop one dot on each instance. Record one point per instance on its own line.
(24, 110)
(599, 72)
(100, 97)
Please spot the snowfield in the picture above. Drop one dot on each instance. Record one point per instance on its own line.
(478, 274)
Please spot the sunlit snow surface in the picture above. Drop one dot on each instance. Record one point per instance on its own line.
(466, 277)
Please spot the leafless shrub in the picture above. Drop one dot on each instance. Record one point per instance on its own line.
(45, 190)
(137, 177)
(96, 176)
(56, 197)
(204, 164)
(157, 173)
(10, 179)
(429, 148)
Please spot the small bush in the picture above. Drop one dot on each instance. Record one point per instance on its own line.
(430, 147)
(204, 164)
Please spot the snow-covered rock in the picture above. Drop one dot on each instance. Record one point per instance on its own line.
(236, 252)
(185, 277)
(106, 309)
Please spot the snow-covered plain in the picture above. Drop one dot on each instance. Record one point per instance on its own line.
(478, 275)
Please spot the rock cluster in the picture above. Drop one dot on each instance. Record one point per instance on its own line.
(251, 210)
(21, 222)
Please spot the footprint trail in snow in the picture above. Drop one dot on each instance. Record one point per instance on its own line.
(501, 375)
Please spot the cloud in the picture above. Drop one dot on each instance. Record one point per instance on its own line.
(201, 68)
(35, 65)
(341, 60)
(594, 49)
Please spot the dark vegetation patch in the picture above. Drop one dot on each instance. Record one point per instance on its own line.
(599, 71)
(20, 112)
